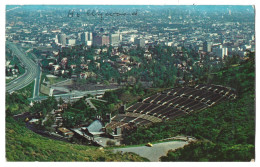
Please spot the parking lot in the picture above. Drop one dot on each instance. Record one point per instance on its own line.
(155, 152)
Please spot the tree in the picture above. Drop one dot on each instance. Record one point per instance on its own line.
(106, 82)
(61, 101)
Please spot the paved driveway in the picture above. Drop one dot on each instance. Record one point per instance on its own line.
(155, 152)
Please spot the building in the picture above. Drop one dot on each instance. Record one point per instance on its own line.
(62, 39)
(207, 46)
(221, 52)
(115, 38)
(79, 36)
(84, 37)
(95, 128)
(65, 132)
(90, 36)
(139, 42)
(100, 40)
(71, 41)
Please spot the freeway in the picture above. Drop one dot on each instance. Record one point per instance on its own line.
(31, 69)
(36, 89)
(33, 73)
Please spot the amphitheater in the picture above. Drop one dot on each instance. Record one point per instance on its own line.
(171, 103)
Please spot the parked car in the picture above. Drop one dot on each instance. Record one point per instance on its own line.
(149, 145)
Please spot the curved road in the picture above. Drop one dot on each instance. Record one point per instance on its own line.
(31, 69)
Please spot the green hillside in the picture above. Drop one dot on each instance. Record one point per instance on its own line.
(24, 145)
(226, 131)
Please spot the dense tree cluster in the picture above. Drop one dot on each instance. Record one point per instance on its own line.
(45, 106)
(208, 151)
(79, 113)
(16, 103)
(163, 66)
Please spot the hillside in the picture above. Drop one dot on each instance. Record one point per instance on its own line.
(24, 145)
(226, 131)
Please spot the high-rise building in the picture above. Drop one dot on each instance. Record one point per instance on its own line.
(115, 38)
(221, 52)
(84, 37)
(140, 42)
(100, 40)
(79, 36)
(90, 36)
(207, 46)
(62, 39)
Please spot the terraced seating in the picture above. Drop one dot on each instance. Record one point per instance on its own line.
(127, 119)
(144, 116)
(114, 125)
(214, 88)
(199, 94)
(219, 91)
(171, 100)
(150, 118)
(151, 107)
(161, 112)
(226, 89)
(172, 114)
(167, 98)
(156, 110)
(177, 114)
(188, 91)
(181, 91)
(215, 97)
(172, 103)
(118, 118)
(144, 122)
(186, 102)
(193, 104)
(174, 91)
(166, 91)
(177, 101)
(217, 88)
(232, 96)
(150, 99)
(198, 107)
(134, 107)
(173, 110)
(111, 124)
(159, 98)
(130, 114)
(206, 94)
(194, 93)
(201, 86)
(138, 120)
(142, 107)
